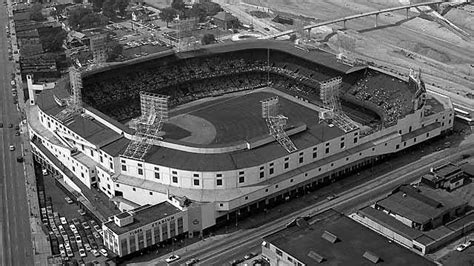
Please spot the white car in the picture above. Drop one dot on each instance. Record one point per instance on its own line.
(87, 247)
(462, 247)
(73, 229)
(63, 220)
(68, 200)
(82, 252)
(172, 258)
(103, 252)
(12, 147)
(95, 252)
(78, 240)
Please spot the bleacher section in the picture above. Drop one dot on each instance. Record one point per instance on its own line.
(188, 78)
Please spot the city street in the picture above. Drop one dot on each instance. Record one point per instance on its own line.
(15, 242)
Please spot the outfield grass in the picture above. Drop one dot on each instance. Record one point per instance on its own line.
(239, 117)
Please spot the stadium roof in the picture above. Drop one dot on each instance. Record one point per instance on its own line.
(356, 245)
(143, 216)
(239, 159)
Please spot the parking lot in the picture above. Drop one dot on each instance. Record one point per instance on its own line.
(73, 234)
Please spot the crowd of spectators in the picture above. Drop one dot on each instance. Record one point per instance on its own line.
(193, 78)
(392, 98)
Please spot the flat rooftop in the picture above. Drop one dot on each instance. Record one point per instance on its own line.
(144, 215)
(344, 243)
(419, 204)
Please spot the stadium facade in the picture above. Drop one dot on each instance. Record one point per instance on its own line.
(232, 176)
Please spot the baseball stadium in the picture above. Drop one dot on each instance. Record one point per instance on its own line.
(232, 128)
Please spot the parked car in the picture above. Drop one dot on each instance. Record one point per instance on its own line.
(192, 261)
(249, 256)
(68, 200)
(76, 222)
(97, 228)
(81, 212)
(95, 252)
(331, 197)
(172, 258)
(87, 246)
(63, 220)
(103, 252)
(82, 252)
(463, 246)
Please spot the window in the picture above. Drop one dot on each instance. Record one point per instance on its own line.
(134, 189)
(287, 165)
(262, 174)
(427, 135)
(355, 140)
(101, 159)
(397, 147)
(195, 175)
(287, 159)
(270, 171)
(219, 182)
(196, 182)
(157, 175)
(290, 259)
(414, 140)
(140, 171)
(279, 253)
(92, 153)
(241, 179)
(218, 175)
(327, 150)
(246, 197)
(315, 154)
(174, 172)
(301, 160)
(140, 165)
(151, 193)
(111, 165)
(241, 172)
(175, 179)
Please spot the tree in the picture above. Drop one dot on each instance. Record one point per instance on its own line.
(121, 5)
(211, 8)
(208, 38)
(178, 5)
(52, 39)
(97, 4)
(35, 12)
(168, 14)
(197, 11)
(83, 18)
(108, 9)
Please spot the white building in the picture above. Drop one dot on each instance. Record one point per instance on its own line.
(227, 181)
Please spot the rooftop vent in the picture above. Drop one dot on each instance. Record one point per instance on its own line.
(123, 219)
(315, 256)
(330, 237)
(372, 257)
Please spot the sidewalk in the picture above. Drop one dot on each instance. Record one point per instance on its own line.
(182, 251)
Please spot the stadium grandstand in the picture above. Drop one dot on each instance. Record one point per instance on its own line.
(232, 128)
